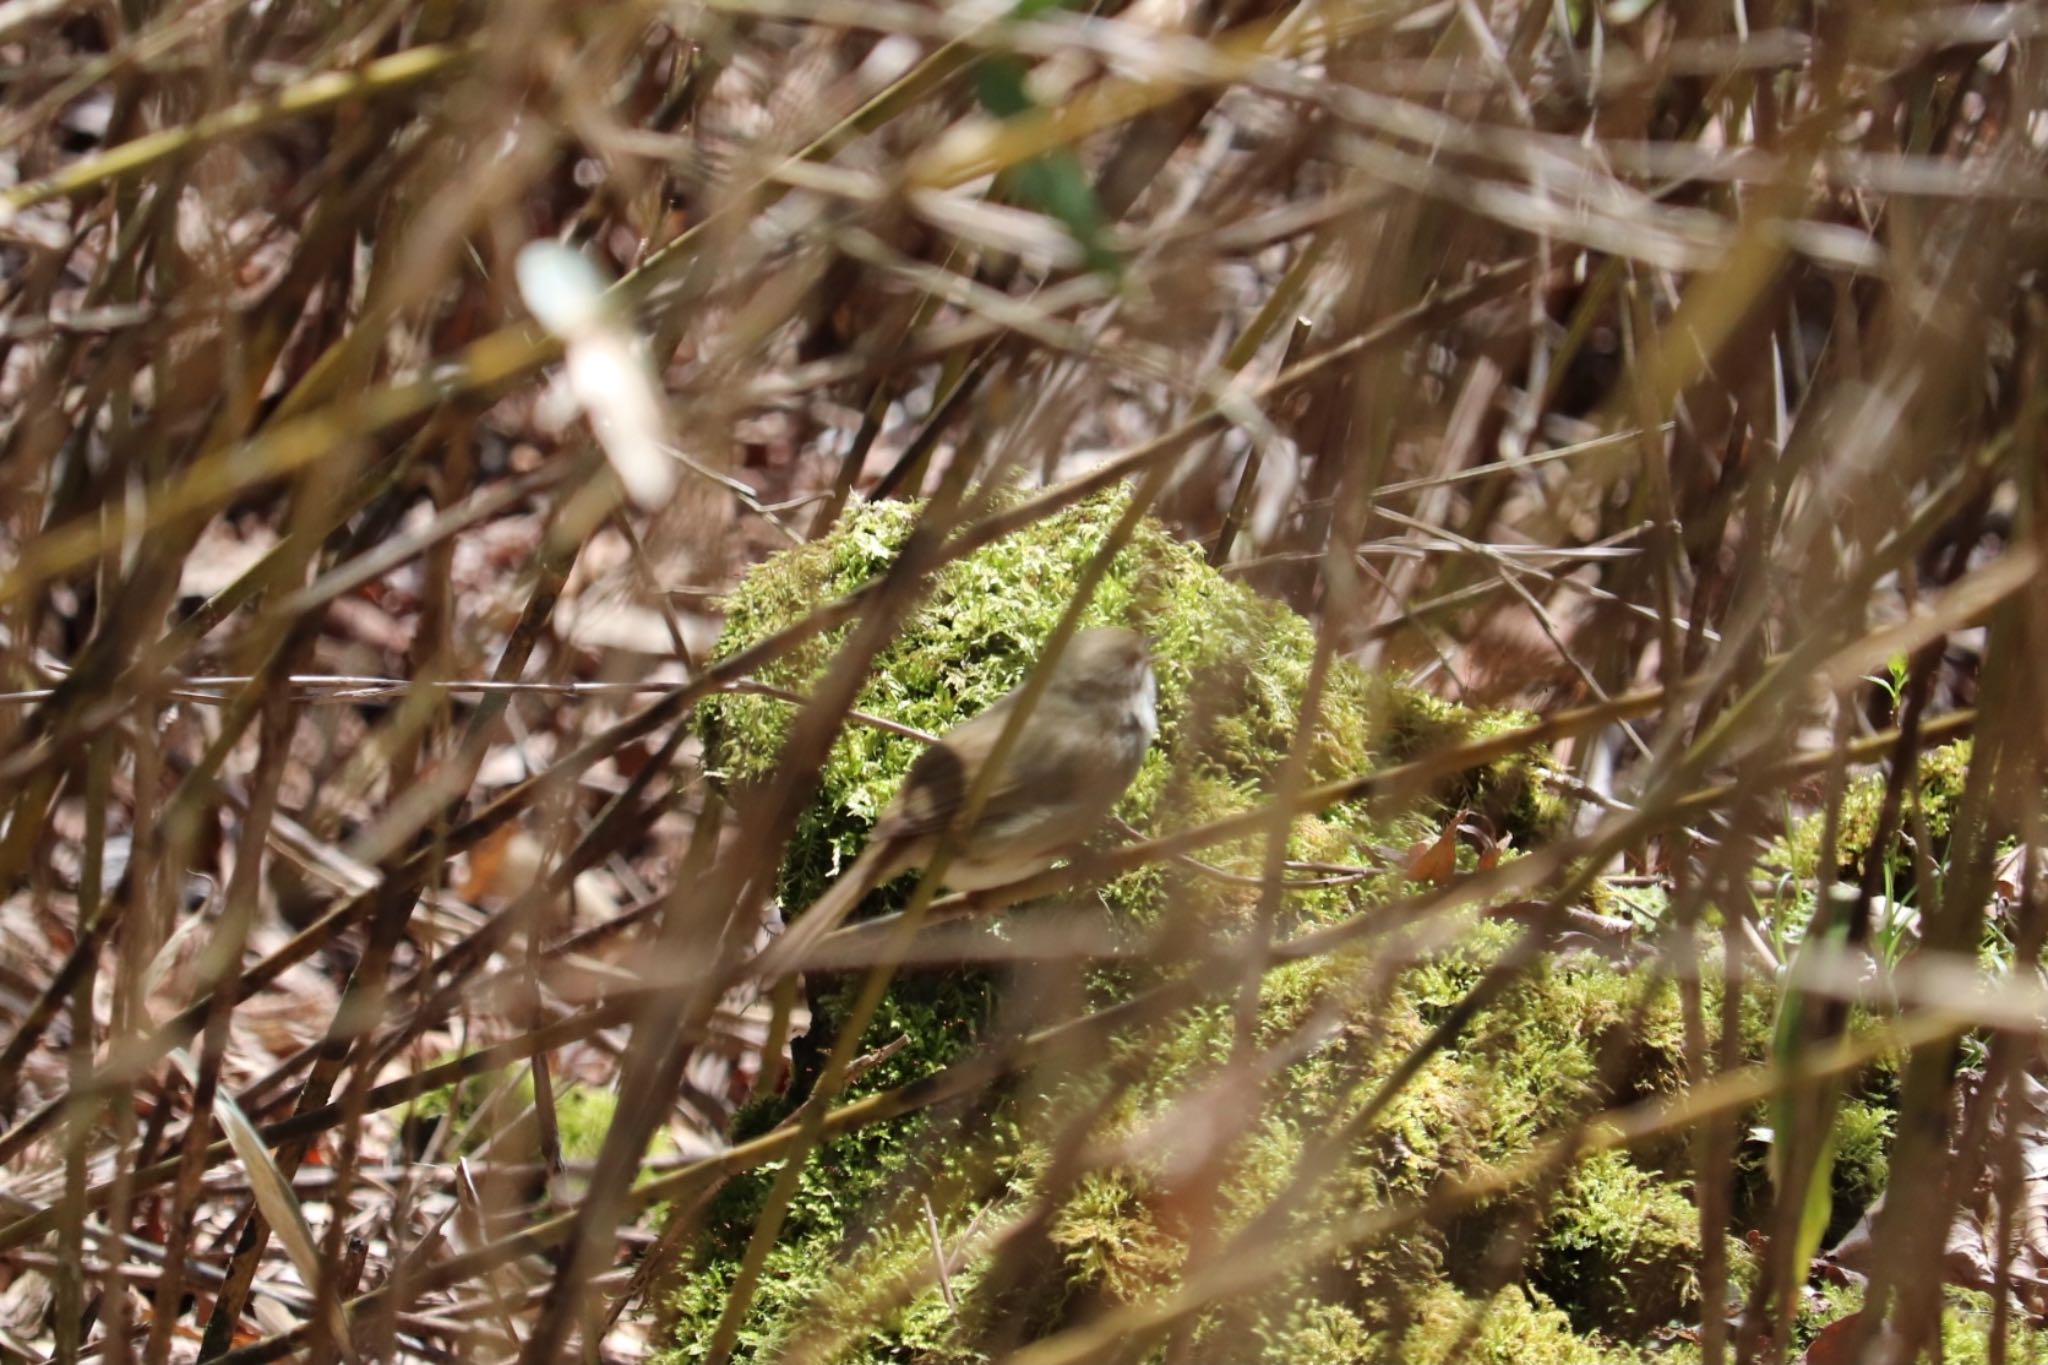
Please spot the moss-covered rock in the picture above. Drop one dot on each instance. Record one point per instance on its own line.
(850, 1275)
(1231, 666)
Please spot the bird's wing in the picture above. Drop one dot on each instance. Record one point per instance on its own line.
(936, 786)
(1044, 763)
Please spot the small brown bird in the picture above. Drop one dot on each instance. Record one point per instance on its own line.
(1079, 749)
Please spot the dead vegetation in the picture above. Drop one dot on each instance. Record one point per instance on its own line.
(1579, 464)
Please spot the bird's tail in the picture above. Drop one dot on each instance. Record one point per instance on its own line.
(796, 943)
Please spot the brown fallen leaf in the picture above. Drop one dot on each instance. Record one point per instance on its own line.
(1437, 863)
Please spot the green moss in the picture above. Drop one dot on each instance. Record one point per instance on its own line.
(1966, 1331)
(1621, 1247)
(1863, 1135)
(864, 1308)
(1517, 1326)
(1965, 1324)
(582, 1117)
(1642, 906)
(496, 1111)
(1943, 772)
(1111, 1241)
(1232, 667)
(1568, 1036)
(482, 1107)
(1326, 1332)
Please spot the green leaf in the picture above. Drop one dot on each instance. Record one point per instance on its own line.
(1053, 183)
(999, 85)
(1788, 1037)
(1056, 184)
